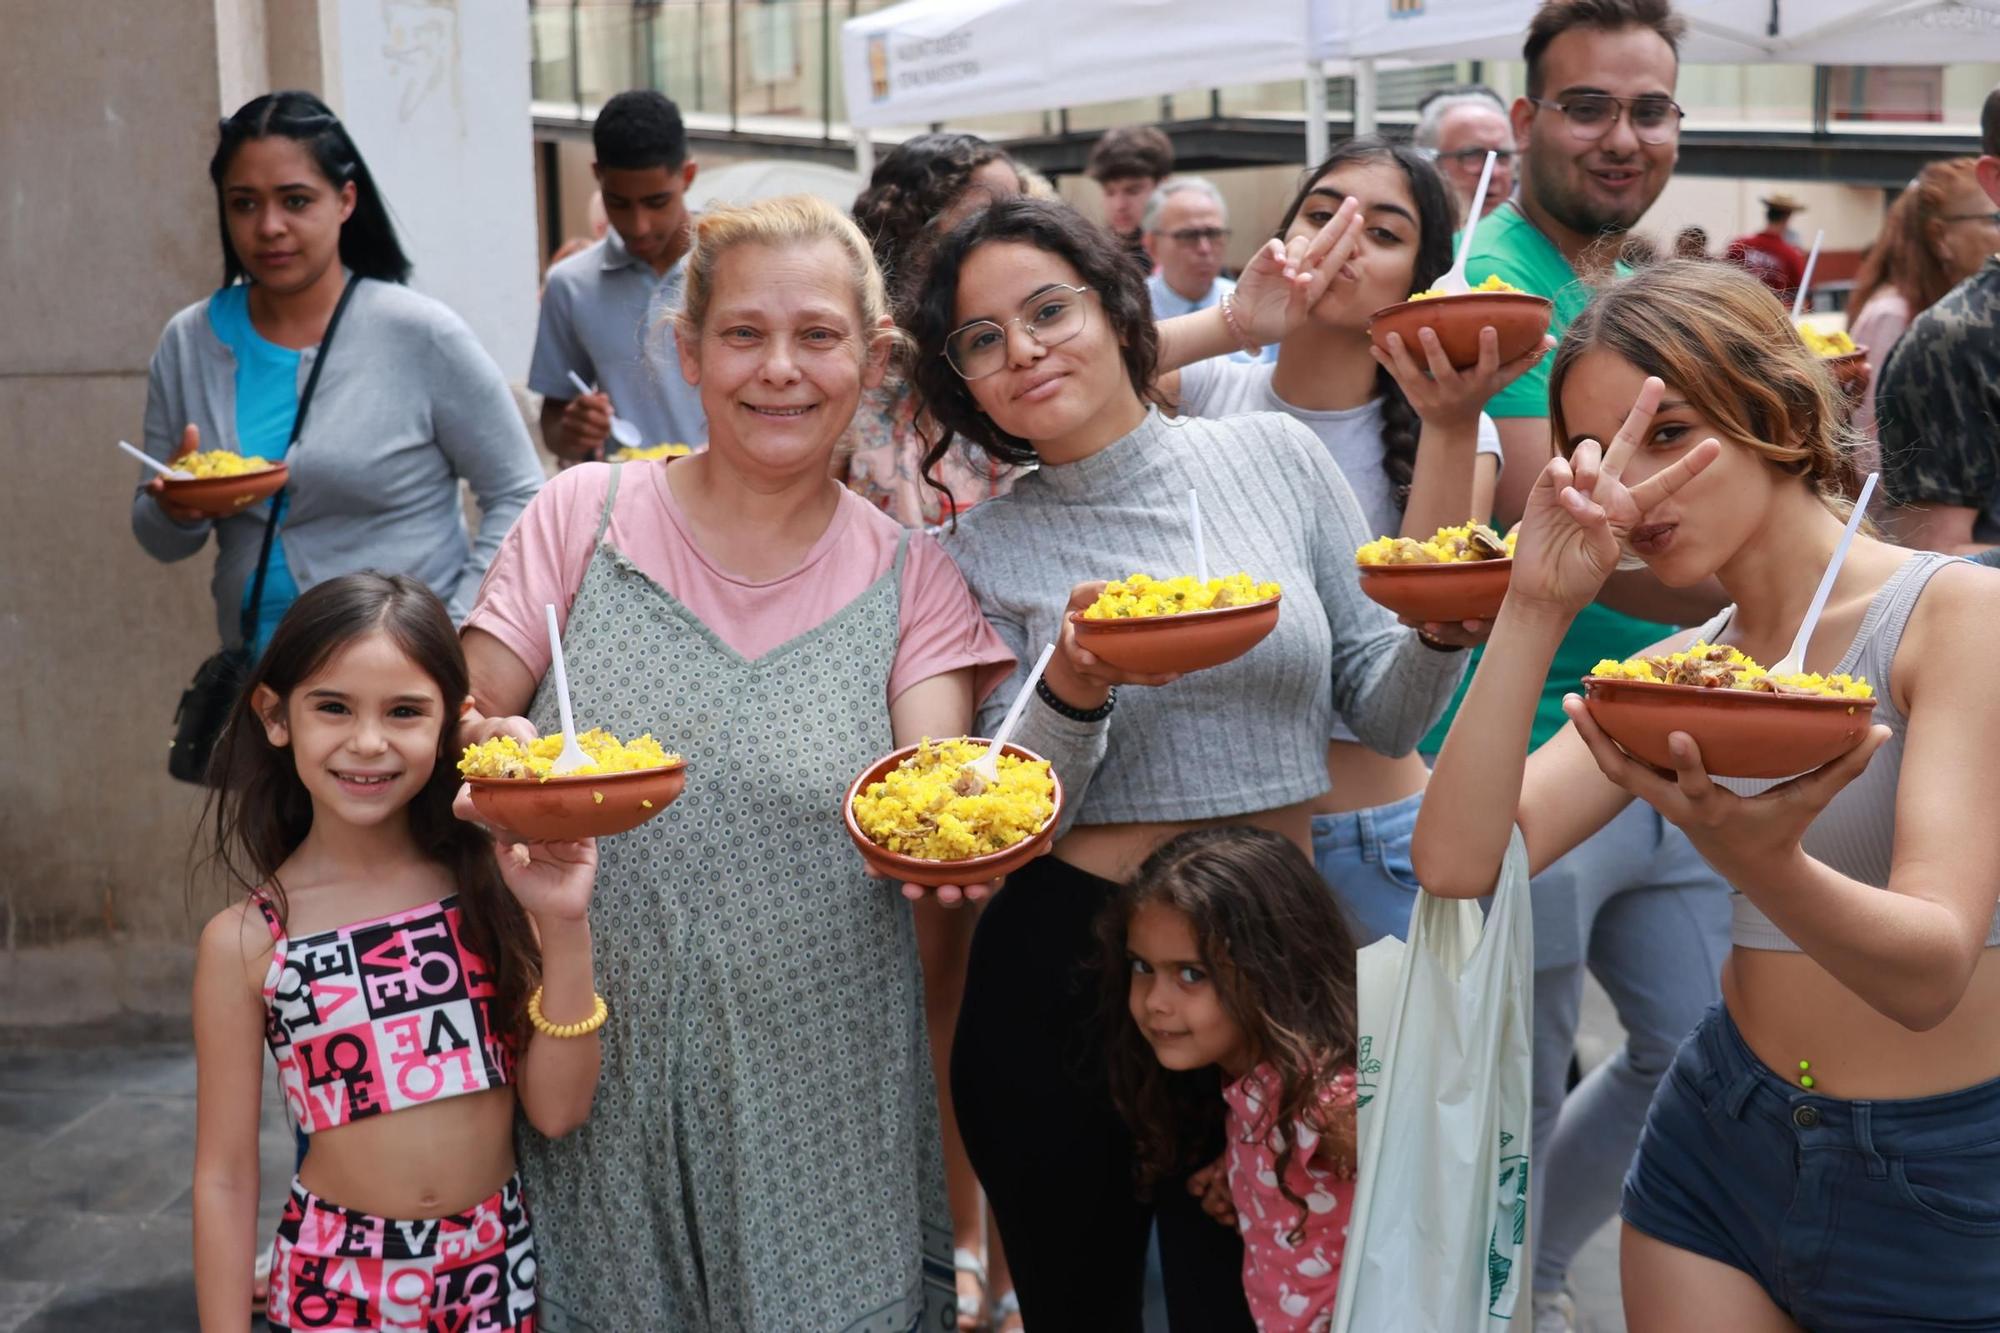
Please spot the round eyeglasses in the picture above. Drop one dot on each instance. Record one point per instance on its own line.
(1051, 317)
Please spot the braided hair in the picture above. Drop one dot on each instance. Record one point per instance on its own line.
(368, 244)
(1436, 220)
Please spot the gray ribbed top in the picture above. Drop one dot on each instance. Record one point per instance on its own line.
(1245, 736)
(1856, 833)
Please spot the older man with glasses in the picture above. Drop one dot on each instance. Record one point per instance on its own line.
(1458, 126)
(1185, 230)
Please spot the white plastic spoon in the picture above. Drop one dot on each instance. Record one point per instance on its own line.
(572, 756)
(622, 430)
(156, 464)
(1453, 283)
(1805, 281)
(987, 766)
(1794, 662)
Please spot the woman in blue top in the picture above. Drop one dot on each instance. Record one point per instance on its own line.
(408, 406)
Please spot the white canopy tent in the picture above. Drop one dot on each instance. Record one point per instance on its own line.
(1727, 32)
(944, 59)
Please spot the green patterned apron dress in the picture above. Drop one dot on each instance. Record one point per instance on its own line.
(763, 1154)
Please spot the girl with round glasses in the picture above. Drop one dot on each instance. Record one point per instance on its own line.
(1036, 341)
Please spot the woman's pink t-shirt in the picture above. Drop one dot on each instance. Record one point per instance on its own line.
(1289, 1284)
(544, 557)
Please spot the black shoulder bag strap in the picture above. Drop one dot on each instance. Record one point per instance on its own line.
(254, 607)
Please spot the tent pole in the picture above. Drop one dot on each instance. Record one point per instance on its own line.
(1315, 113)
(1364, 96)
(864, 153)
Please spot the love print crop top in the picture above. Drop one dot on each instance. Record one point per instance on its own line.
(381, 1015)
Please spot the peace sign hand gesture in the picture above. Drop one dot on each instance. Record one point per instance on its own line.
(1581, 510)
(1284, 279)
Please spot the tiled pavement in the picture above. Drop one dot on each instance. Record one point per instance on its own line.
(97, 1152)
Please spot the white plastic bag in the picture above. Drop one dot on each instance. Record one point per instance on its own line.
(1439, 1238)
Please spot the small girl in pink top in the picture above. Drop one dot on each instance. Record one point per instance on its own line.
(1237, 971)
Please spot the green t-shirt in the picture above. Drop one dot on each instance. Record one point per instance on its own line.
(1508, 244)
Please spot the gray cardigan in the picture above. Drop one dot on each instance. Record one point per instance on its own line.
(409, 404)
(1245, 736)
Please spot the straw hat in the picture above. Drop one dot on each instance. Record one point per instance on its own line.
(1783, 202)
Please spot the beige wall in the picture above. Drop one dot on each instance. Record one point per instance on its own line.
(107, 119)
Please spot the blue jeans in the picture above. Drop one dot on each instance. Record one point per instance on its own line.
(1852, 1215)
(1364, 857)
(1637, 905)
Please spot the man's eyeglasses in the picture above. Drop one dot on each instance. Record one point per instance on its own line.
(1192, 236)
(1990, 219)
(1655, 120)
(1051, 317)
(1476, 157)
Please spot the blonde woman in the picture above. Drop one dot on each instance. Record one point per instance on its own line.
(1822, 1153)
(764, 1149)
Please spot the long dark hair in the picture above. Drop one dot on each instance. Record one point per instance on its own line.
(1282, 961)
(1436, 220)
(368, 242)
(1047, 225)
(260, 811)
(913, 185)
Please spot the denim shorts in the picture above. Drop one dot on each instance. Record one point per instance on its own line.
(1852, 1215)
(1364, 857)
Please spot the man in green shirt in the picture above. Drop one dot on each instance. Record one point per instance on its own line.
(1599, 132)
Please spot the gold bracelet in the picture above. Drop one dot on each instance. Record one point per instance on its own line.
(589, 1025)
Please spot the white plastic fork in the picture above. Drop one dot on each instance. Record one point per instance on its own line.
(155, 463)
(1453, 283)
(1805, 279)
(1794, 662)
(572, 756)
(987, 766)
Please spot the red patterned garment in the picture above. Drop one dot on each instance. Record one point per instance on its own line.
(1290, 1284)
(381, 1015)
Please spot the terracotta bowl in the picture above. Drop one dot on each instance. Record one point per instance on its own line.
(1850, 373)
(219, 497)
(1466, 590)
(973, 870)
(1519, 319)
(563, 809)
(1741, 733)
(1191, 641)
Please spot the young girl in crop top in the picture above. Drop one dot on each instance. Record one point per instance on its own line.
(414, 982)
(1823, 1152)
(1229, 999)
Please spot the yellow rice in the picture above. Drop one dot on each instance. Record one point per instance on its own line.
(219, 463)
(505, 757)
(1448, 546)
(1492, 284)
(1742, 673)
(918, 811)
(1836, 343)
(646, 453)
(1140, 595)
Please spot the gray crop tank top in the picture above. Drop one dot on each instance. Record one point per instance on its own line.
(1856, 833)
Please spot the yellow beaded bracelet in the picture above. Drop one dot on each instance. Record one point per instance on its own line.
(589, 1025)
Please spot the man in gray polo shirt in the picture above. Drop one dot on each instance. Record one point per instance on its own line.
(602, 309)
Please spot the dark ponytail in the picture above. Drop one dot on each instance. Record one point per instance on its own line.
(1436, 220)
(368, 244)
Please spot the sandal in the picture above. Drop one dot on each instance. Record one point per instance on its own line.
(260, 1283)
(971, 1308)
(1007, 1314)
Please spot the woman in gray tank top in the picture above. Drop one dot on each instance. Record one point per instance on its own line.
(1824, 1152)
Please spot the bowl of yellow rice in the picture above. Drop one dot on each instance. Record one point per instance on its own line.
(514, 786)
(1159, 626)
(646, 453)
(1457, 573)
(1518, 319)
(221, 482)
(1847, 362)
(1747, 722)
(919, 817)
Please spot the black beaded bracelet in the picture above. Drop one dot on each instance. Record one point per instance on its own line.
(1071, 711)
(1438, 645)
